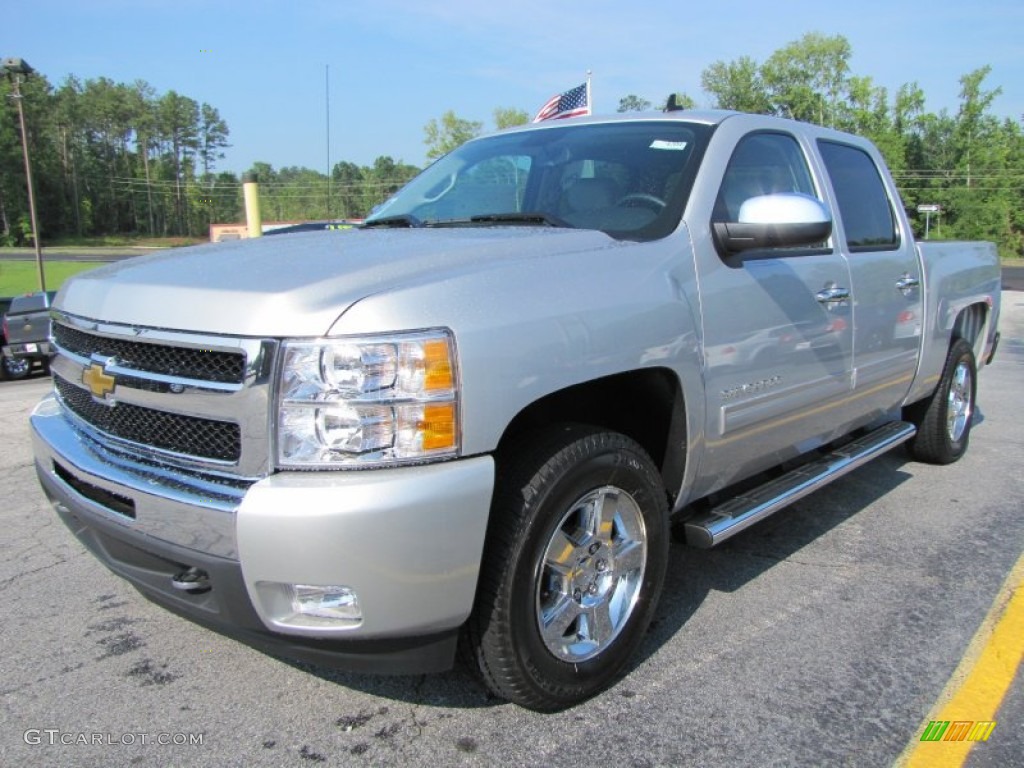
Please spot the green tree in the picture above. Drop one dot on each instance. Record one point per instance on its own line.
(737, 85)
(348, 184)
(384, 179)
(213, 137)
(37, 102)
(178, 124)
(143, 101)
(444, 135)
(66, 110)
(806, 79)
(506, 117)
(211, 141)
(226, 203)
(974, 127)
(981, 201)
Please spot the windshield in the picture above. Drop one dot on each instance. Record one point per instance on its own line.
(627, 179)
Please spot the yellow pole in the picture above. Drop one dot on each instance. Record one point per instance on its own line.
(251, 190)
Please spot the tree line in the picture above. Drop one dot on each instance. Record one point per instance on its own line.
(121, 159)
(114, 158)
(108, 158)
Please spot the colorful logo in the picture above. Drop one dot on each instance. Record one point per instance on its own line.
(958, 730)
(99, 382)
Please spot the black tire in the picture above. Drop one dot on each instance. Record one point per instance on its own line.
(17, 367)
(543, 561)
(943, 420)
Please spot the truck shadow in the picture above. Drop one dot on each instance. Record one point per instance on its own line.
(692, 575)
(695, 573)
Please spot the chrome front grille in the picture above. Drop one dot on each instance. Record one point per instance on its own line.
(187, 435)
(194, 401)
(189, 363)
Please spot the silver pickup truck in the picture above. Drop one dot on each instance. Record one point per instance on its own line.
(478, 419)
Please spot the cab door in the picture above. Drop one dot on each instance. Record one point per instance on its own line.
(777, 328)
(885, 278)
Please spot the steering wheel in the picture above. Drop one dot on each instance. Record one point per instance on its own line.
(641, 199)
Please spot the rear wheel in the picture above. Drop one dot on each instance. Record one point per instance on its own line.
(573, 566)
(944, 420)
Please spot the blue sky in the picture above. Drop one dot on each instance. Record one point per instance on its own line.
(396, 64)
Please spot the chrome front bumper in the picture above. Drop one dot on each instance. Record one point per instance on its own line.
(407, 540)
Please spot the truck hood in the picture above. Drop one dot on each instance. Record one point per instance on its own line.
(300, 284)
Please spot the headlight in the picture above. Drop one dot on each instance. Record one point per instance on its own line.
(368, 401)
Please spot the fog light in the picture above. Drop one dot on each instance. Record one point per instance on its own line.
(338, 603)
(308, 609)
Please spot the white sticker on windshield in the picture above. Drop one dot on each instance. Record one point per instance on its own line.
(673, 145)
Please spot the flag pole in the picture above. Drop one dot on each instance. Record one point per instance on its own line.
(327, 110)
(590, 97)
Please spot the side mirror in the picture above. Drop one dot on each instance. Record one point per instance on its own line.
(785, 220)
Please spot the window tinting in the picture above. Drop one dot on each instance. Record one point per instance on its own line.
(863, 203)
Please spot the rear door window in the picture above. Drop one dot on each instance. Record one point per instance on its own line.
(868, 221)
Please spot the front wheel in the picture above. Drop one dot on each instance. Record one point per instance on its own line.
(572, 569)
(944, 420)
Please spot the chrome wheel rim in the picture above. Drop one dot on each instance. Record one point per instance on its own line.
(959, 406)
(591, 574)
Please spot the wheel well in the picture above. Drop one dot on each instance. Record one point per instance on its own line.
(645, 405)
(970, 325)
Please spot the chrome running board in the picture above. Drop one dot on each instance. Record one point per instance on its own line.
(713, 527)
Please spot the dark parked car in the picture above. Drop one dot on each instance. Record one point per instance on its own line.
(26, 329)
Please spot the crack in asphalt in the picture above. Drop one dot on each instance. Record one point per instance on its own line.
(4, 584)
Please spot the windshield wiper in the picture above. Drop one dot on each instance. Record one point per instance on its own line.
(401, 220)
(408, 220)
(533, 217)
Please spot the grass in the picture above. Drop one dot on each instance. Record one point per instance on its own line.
(121, 240)
(18, 277)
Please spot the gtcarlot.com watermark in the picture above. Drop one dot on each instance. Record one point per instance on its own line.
(55, 736)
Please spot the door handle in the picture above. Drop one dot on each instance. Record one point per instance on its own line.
(832, 295)
(907, 283)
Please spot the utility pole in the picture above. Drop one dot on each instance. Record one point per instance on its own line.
(16, 69)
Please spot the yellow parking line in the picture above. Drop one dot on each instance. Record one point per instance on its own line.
(974, 692)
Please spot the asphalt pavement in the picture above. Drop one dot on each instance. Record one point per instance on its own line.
(822, 636)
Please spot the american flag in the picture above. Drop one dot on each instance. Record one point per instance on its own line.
(569, 104)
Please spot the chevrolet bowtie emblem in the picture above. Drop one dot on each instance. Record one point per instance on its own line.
(99, 382)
